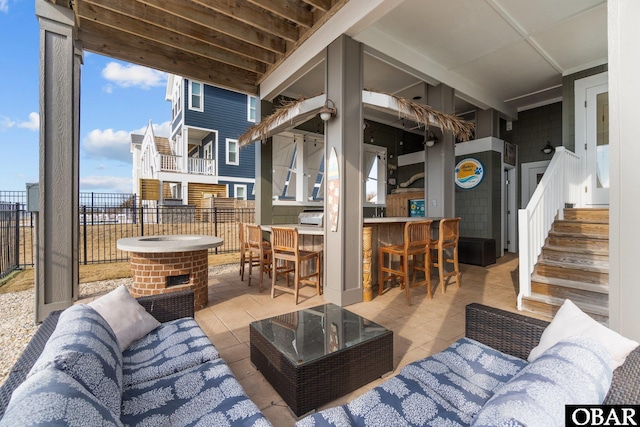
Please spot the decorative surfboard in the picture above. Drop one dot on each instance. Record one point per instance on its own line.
(333, 189)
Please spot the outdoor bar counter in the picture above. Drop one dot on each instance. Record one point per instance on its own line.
(381, 231)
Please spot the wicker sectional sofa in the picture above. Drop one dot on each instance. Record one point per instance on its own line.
(73, 372)
(484, 379)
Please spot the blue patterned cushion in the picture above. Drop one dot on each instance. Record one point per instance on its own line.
(207, 395)
(170, 348)
(575, 371)
(448, 388)
(84, 347)
(52, 398)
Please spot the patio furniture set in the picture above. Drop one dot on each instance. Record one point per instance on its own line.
(93, 365)
(419, 251)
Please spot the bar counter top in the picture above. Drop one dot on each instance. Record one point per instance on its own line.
(397, 219)
(307, 230)
(312, 230)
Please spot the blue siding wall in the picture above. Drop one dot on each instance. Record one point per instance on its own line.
(226, 112)
(176, 124)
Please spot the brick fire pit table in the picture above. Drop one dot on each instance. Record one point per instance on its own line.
(161, 264)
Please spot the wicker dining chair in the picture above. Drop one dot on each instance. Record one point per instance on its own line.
(289, 258)
(448, 236)
(417, 241)
(259, 253)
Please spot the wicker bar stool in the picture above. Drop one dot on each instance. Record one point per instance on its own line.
(287, 253)
(417, 241)
(261, 250)
(448, 235)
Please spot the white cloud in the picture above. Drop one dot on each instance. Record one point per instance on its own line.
(116, 145)
(6, 123)
(107, 184)
(133, 75)
(4, 6)
(32, 124)
(108, 144)
(162, 129)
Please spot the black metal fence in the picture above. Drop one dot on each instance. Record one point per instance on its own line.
(10, 238)
(104, 218)
(101, 228)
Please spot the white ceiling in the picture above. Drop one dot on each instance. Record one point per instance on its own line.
(505, 54)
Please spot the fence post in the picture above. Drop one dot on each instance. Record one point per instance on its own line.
(141, 220)
(135, 208)
(84, 227)
(17, 245)
(215, 224)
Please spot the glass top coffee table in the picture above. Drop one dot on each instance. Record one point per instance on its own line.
(315, 355)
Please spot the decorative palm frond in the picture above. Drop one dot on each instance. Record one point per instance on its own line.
(423, 114)
(260, 131)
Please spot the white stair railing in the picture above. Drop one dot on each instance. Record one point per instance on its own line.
(559, 187)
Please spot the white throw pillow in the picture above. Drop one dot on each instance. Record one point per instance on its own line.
(128, 319)
(570, 321)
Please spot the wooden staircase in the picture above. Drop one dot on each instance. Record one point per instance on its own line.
(574, 264)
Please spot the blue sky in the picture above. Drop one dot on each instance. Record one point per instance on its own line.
(117, 98)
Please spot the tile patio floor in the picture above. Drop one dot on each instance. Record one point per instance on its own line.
(426, 327)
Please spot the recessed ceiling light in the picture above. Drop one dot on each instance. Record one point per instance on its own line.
(417, 97)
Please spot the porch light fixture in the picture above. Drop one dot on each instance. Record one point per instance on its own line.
(430, 139)
(548, 149)
(328, 110)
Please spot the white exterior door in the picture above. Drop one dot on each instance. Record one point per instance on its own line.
(592, 136)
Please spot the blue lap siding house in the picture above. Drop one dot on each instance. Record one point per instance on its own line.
(202, 155)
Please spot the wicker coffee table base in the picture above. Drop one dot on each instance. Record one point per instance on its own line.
(310, 385)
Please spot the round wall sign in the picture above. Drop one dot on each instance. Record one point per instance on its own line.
(469, 173)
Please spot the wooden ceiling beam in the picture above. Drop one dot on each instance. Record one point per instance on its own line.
(222, 23)
(292, 10)
(323, 5)
(138, 50)
(192, 37)
(255, 16)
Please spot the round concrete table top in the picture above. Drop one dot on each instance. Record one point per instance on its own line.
(168, 243)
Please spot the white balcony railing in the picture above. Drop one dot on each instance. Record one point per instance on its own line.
(170, 163)
(201, 166)
(559, 187)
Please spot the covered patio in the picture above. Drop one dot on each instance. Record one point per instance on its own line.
(485, 56)
(428, 326)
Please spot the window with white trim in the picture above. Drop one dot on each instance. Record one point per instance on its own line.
(375, 170)
(233, 152)
(251, 108)
(196, 96)
(240, 191)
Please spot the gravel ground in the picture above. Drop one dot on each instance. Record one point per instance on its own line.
(18, 326)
